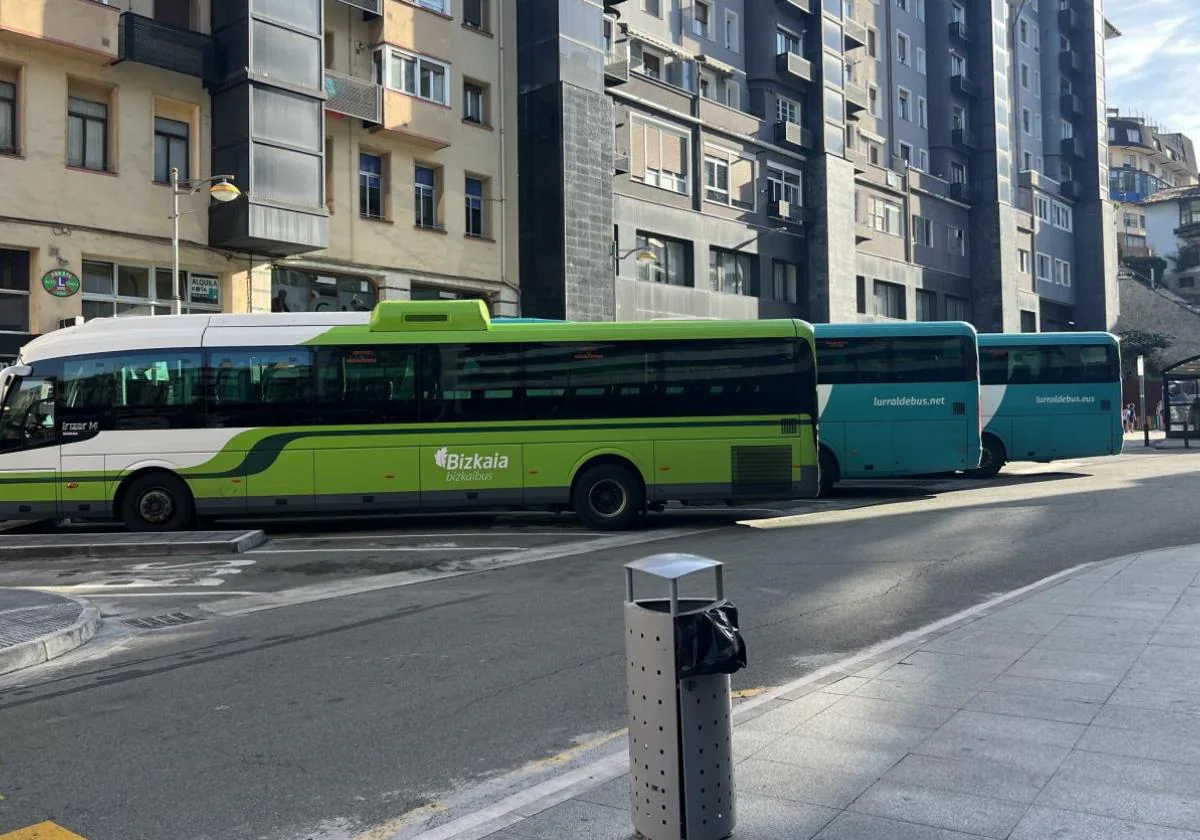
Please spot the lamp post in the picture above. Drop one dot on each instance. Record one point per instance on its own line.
(1141, 372)
(220, 189)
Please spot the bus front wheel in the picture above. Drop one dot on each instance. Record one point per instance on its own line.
(991, 459)
(608, 497)
(157, 501)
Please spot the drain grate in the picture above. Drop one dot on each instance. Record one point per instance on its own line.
(157, 622)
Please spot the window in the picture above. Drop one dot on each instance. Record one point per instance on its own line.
(701, 18)
(652, 7)
(733, 94)
(1060, 216)
(1025, 76)
(14, 290)
(1062, 272)
(1068, 130)
(474, 110)
(958, 172)
(1049, 365)
(1024, 30)
(922, 160)
(958, 117)
(920, 9)
(670, 264)
(923, 231)
(906, 152)
(1026, 161)
(902, 48)
(1037, 83)
(366, 385)
(1026, 121)
(253, 386)
(788, 42)
(956, 240)
(729, 180)
(113, 290)
(1037, 126)
(731, 272)
(649, 65)
(8, 119)
(87, 134)
(161, 389)
(904, 104)
(784, 281)
(474, 197)
(1041, 207)
(957, 309)
(787, 110)
(872, 42)
(733, 32)
(425, 189)
(873, 100)
(29, 420)
(889, 300)
(958, 65)
(475, 14)
(417, 76)
(371, 191)
(958, 13)
(785, 185)
(860, 295)
(885, 217)
(659, 157)
(922, 112)
(1028, 321)
(921, 68)
(293, 290)
(874, 154)
(1043, 267)
(441, 6)
(902, 5)
(926, 305)
(1023, 260)
(170, 149)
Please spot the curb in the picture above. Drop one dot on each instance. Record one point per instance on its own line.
(532, 800)
(239, 544)
(52, 645)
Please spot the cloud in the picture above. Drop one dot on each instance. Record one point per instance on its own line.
(1150, 68)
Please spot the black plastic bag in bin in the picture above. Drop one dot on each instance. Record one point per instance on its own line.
(709, 642)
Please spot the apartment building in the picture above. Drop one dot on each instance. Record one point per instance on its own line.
(1143, 160)
(371, 141)
(895, 159)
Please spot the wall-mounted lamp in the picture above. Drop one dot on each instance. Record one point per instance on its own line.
(646, 255)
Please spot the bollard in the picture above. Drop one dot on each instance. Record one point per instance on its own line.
(679, 654)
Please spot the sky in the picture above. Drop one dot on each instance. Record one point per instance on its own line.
(1151, 68)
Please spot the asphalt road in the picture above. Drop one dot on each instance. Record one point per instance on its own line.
(331, 717)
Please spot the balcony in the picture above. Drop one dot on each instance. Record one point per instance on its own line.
(616, 64)
(713, 113)
(1071, 105)
(958, 33)
(1070, 63)
(620, 162)
(83, 29)
(1071, 190)
(353, 97)
(1068, 19)
(1072, 147)
(1188, 230)
(408, 25)
(613, 7)
(147, 41)
(795, 135)
(856, 98)
(420, 122)
(373, 8)
(963, 86)
(859, 158)
(855, 34)
(964, 138)
(794, 65)
(1031, 179)
(961, 192)
(863, 232)
(805, 6)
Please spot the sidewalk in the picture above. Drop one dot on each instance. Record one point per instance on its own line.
(38, 626)
(1071, 712)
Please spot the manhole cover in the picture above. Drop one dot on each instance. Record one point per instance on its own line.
(157, 622)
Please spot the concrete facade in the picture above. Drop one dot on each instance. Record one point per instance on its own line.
(106, 96)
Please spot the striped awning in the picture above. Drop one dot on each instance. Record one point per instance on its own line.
(719, 66)
(657, 43)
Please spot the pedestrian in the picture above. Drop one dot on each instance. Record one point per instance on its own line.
(1160, 416)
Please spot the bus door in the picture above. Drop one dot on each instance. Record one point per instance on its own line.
(29, 451)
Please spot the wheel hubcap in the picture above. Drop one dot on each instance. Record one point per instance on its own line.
(156, 506)
(608, 498)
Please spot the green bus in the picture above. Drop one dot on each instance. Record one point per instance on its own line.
(1049, 396)
(417, 405)
(897, 399)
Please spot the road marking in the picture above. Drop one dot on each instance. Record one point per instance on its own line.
(404, 536)
(337, 550)
(84, 587)
(451, 568)
(533, 800)
(42, 831)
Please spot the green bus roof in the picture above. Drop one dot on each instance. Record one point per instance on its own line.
(893, 329)
(1045, 338)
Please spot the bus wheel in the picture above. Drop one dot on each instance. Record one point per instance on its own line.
(157, 501)
(609, 497)
(828, 468)
(991, 459)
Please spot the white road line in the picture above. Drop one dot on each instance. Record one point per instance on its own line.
(548, 793)
(83, 587)
(403, 536)
(449, 569)
(339, 550)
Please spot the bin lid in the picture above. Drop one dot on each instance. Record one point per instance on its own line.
(673, 566)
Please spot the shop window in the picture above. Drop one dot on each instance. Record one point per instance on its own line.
(293, 290)
(111, 289)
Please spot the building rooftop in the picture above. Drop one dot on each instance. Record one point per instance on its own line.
(1174, 194)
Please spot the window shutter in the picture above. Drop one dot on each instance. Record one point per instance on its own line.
(654, 148)
(741, 182)
(674, 154)
(637, 150)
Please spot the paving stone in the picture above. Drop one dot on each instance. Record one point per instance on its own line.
(1040, 823)
(932, 695)
(1024, 705)
(787, 717)
(1014, 728)
(873, 732)
(746, 742)
(846, 685)
(614, 794)
(848, 757)
(1177, 701)
(1141, 790)
(940, 808)
(575, 818)
(771, 818)
(959, 678)
(939, 661)
(1131, 717)
(771, 778)
(851, 826)
(1026, 756)
(1155, 744)
(1058, 689)
(891, 711)
(971, 775)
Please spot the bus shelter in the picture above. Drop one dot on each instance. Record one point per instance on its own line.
(1181, 397)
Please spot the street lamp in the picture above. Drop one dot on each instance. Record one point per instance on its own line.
(220, 189)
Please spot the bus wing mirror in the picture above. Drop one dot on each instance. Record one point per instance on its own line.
(18, 370)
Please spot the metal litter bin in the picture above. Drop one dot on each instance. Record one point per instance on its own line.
(679, 653)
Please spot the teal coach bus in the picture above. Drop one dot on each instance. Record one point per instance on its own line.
(1048, 396)
(897, 399)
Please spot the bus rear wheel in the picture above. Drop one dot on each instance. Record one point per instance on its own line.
(157, 501)
(608, 497)
(828, 469)
(991, 459)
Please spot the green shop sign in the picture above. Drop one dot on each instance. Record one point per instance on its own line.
(60, 282)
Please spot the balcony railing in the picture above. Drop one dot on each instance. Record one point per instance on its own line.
(965, 138)
(1069, 62)
(353, 97)
(1068, 19)
(1071, 190)
(147, 41)
(616, 64)
(962, 192)
(856, 98)
(1071, 105)
(959, 33)
(805, 6)
(85, 30)
(855, 34)
(963, 86)
(1072, 147)
(373, 7)
(794, 64)
(795, 135)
